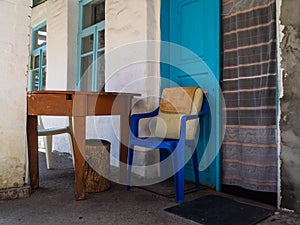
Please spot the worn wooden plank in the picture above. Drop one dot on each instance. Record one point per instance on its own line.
(33, 151)
(46, 104)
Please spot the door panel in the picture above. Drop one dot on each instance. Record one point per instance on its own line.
(194, 24)
(189, 36)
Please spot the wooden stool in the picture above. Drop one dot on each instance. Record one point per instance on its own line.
(97, 165)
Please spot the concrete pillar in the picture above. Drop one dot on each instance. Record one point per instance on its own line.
(290, 105)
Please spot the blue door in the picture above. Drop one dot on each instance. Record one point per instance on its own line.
(195, 25)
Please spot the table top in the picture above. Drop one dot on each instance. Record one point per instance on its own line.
(79, 93)
(77, 103)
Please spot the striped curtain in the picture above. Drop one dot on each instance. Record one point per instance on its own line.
(249, 154)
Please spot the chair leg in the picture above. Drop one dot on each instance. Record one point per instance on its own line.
(178, 163)
(164, 170)
(196, 165)
(48, 148)
(129, 165)
(72, 148)
(179, 186)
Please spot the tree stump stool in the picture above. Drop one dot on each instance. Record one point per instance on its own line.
(97, 165)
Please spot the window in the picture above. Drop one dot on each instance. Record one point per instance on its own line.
(38, 58)
(91, 46)
(37, 2)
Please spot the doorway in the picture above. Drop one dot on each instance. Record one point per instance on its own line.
(183, 23)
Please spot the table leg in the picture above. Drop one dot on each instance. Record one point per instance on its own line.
(79, 151)
(124, 135)
(32, 142)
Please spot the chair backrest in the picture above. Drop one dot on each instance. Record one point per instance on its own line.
(66, 128)
(40, 123)
(176, 102)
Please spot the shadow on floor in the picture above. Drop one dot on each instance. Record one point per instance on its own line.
(54, 203)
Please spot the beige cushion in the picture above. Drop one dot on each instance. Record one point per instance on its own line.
(168, 124)
(177, 100)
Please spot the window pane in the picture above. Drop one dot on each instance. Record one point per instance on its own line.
(87, 44)
(40, 37)
(35, 61)
(35, 80)
(99, 12)
(101, 39)
(44, 59)
(44, 79)
(36, 2)
(100, 71)
(93, 13)
(86, 73)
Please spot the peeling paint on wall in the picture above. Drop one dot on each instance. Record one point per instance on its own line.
(12, 172)
(14, 52)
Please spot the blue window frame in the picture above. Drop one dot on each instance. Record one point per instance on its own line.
(91, 46)
(38, 58)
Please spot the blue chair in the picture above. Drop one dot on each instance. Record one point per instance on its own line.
(182, 130)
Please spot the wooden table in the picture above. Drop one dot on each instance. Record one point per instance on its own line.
(79, 105)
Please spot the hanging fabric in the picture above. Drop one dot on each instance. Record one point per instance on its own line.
(249, 155)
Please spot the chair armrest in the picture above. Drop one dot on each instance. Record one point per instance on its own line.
(135, 119)
(204, 110)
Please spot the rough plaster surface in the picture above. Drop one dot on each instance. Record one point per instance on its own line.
(14, 52)
(290, 107)
(72, 43)
(57, 45)
(129, 22)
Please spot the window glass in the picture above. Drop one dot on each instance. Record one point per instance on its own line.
(39, 37)
(86, 73)
(35, 80)
(38, 58)
(101, 39)
(35, 61)
(36, 2)
(93, 13)
(87, 44)
(44, 70)
(100, 71)
(91, 55)
(44, 59)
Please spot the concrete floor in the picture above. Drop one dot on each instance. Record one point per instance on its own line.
(53, 203)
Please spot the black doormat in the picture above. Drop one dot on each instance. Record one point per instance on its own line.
(217, 210)
(167, 189)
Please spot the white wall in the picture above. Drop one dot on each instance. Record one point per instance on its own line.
(14, 52)
(62, 26)
(61, 17)
(57, 49)
(126, 22)
(128, 25)
(55, 13)
(72, 43)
